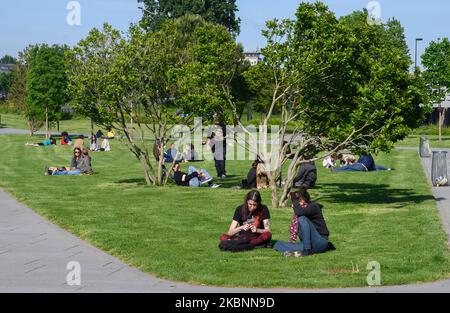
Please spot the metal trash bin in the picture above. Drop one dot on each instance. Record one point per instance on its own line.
(439, 169)
(424, 148)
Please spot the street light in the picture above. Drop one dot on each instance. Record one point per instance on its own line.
(415, 53)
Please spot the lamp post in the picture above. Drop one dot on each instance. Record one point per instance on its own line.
(415, 53)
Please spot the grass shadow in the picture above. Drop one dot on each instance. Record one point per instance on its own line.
(371, 194)
(137, 181)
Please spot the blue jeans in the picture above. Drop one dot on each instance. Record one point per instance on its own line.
(71, 172)
(195, 182)
(355, 167)
(311, 239)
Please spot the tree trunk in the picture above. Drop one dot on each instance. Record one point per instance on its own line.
(274, 196)
(441, 120)
(148, 177)
(57, 126)
(284, 197)
(46, 122)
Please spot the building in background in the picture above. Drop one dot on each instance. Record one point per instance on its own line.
(7, 68)
(253, 57)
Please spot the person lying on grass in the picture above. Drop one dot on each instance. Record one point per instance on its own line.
(194, 177)
(309, 225)
(81, 164)
(365, 163)
(47, 142)
(252, 218)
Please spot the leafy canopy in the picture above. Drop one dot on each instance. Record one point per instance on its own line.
(223, 12)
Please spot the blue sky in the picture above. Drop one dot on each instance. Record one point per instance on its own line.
(23, 22)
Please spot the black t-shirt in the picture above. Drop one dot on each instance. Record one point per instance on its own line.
(238, 217)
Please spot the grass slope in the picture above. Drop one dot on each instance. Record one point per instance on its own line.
(389, 217)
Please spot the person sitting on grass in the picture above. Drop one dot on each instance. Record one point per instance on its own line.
(105, 145)
(309, 225)
(189, 153)
(346, 158)
(250, 182)
(47, 142)
(194, 177)
(99, 133)
(307, 175)
(252, 220)
(65, 139)
(330, 161)
(85, 164)
(79, 142)
(171, 154)
(365, 163)
(93, 142)
(111, 133)
(81, 164)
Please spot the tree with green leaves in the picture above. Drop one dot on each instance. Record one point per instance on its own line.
(5, 82)
(5, 78)
(436, 61)
(7, 59)
(46, 82)
(223, 12)
(17, 97)
(142, 77)
(344, 83)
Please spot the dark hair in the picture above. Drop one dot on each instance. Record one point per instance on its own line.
(255, 163)
(64, 134)
(75, 149)
(175, 165)
(301, 194)
(255, 196)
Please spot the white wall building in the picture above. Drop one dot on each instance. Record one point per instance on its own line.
(253, 57)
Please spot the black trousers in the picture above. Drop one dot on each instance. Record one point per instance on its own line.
(220, 167)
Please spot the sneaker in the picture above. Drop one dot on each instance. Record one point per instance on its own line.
(295, 254)
(306, 252)
(223, 176)
(214, 186)
(330, 246)
(205, 180)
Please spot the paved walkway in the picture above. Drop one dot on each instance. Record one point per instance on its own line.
(14, 131)
(34, 255)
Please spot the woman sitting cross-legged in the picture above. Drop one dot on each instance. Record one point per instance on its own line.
(194, 177)
(309, 225)
(251, 220)
(81, 164)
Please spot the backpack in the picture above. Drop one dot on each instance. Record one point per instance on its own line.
(238, 243)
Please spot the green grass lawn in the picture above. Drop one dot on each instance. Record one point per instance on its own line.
(172, 232)
(413, 141)
(76, 125)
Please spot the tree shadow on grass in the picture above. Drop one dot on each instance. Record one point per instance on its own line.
(371, 194)
(137, 181)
